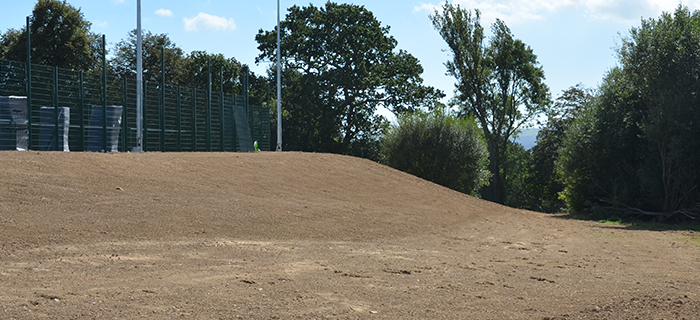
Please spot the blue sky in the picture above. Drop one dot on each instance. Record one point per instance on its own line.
(575, 40)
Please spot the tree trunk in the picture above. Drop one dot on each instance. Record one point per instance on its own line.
(496, 186)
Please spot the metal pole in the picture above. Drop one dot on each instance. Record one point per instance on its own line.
(279, 83)
(124, 124)
(162, 99)
(194, 119)
(179, 119)
(221, 108)
(104, 95)
(209, 105)
(139, 82)
(29, 88)
(81, 111)
(55, 109)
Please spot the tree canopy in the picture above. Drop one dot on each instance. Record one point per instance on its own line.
(340, 65)
(499, 82)
(635, 150)
(124, 61)
(60, 36)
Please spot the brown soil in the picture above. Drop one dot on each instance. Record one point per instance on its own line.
(309, 236)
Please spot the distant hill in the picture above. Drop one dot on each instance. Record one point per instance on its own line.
(527, 138)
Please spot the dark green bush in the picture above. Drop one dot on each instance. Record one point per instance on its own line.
(438, 147)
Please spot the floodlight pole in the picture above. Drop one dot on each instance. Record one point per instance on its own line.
(139, 82)
(279, 84)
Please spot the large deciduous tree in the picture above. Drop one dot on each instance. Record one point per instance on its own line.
(662, 60)
(124, 61)
(340, 65)
(543, 183)
(195, 73)
(500, 82)
(60, 36)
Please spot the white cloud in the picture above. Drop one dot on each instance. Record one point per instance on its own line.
(429, 7)
(522, 11)
(100, 24)
(164, 13)
(209, 21)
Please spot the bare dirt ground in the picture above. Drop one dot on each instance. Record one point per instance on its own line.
(309, 236)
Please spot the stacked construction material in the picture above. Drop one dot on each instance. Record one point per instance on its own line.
(14, 134)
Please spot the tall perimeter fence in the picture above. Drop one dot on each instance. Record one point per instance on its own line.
(50, 108)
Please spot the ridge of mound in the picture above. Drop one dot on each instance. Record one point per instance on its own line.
(251, 195)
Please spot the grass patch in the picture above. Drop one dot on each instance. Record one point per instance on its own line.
(641, 225)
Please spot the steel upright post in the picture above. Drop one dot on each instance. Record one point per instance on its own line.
(81, 114)
(125, 127)
(209, 105)
(139, 82)
(194, 119)
(279, 83)
(221, 108)
(162, 99)
(55, 108)
(179, 119)
(29, 87)
(104, 95)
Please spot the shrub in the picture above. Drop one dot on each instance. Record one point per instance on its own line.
(438, 147)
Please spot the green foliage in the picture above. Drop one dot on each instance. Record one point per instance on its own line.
(60, 36)
(500, 82)
(195, 72)
(543, 184)
(438, 147)
(635, 150)
(124, 62)
(661, 59)
(515, 167)
(186, 70)
(340, 65)
(600, 155)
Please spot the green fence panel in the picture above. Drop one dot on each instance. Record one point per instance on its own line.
(175, 118)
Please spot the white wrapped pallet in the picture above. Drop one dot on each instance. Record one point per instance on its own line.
(14, 134)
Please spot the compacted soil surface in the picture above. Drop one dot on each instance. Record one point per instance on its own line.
(309, 236)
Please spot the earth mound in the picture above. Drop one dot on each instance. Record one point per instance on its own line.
(309, 236)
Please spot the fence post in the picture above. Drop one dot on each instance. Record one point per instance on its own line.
(104, 95)
(179, 119)
(144, 126)
(194, 119)
(244, 89)
(221, 108)
(125, 127)
(233, 122)
(209, 105)
(55, 108)
(162, 99)
(29, 87)
(81, 111)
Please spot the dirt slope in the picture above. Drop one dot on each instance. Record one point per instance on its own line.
(309, 236)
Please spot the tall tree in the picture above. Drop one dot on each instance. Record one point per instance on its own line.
(599, 159)
(195, 71)
(543, 184)
(60, 36)
(343, 65)
(662, 60)
(124, 61)
(499, 82)
(635, 151)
